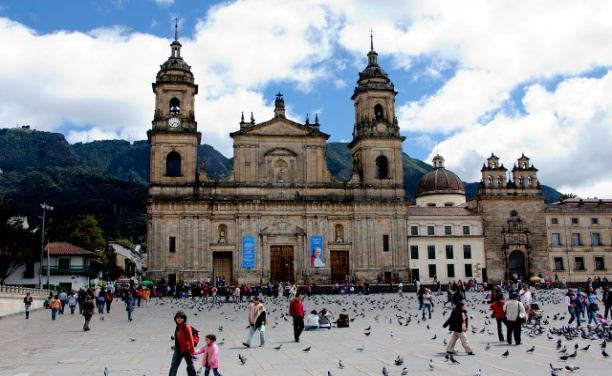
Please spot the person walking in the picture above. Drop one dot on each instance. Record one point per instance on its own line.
(257, 321)
(62, 297)
(184, 347)
(129, 305)
(27, 302)
(210, 355)
(592, 306)
(498, 312)
(100, 302)
(515, 316)
(296, 311)
(72, 302)
(571, 301)
(88, 311)
(55, 306)
(607, 300)
(458, 324)
(108, 299)
(427, 303)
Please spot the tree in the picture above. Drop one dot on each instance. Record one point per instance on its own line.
(86, 233)
(107, 262)
(18, 245)
(566, 196)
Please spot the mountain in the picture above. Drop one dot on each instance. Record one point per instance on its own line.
(108, 178)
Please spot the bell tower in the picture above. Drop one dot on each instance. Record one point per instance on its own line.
(377, 145)
(174, 137)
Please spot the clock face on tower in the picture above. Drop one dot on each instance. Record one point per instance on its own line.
(174, 122)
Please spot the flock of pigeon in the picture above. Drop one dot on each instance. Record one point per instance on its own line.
(392, 313)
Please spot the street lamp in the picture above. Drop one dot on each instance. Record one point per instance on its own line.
(44, 207)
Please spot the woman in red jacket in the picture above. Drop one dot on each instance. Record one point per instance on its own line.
(498, 312)
(183, 345)
(296, 310)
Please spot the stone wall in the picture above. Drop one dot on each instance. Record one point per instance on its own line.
(11, 299)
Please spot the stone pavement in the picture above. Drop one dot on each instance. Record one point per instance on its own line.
(40, 346)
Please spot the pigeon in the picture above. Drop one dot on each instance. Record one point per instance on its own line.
(368, 328)
(384, 371)
(586, 348)
(431, 365)
(242, 359)
(329, 373)
(106, 372)
(572, 368)
(340, 365)
(478, 373)
(434, 337)
(133, 339)
(399, 361)
(531, 350)
(361, 348)
(505, 355)
(278, 347)
(367, 333)
(487, 347)
(604, 353)
(307, 349)
(553, 368)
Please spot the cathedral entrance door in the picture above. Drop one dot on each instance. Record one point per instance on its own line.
(281, 263)
(222, 266)
(339, 265)
(516, 264)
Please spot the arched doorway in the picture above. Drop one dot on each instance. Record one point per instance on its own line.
(516, 264)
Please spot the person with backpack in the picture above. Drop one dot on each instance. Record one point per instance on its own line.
(184, 345)
(108, 298)
(257, 321)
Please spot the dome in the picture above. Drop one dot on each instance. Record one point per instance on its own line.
(175, 69)
(439, 180)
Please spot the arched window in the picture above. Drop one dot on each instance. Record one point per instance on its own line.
(514, 213)
(499, 181)
(222, 234)
(173, 164)
(378, 112)
(382, 167)
(490, 181)
(529, 181)
(280, 171)
(521, 181)
(175, 106)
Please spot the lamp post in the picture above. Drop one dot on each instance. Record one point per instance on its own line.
(44, 207)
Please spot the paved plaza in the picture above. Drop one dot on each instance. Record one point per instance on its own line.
(143, 347)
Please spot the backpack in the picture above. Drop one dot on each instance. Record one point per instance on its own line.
(196, 335)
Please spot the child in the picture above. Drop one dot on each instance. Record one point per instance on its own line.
(210, 358)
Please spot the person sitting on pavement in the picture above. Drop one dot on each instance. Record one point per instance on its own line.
(312, 321)
(325, 319)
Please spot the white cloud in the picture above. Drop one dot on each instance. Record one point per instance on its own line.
(566, 132)
(164, 2)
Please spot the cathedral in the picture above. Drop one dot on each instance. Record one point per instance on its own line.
(280, 215)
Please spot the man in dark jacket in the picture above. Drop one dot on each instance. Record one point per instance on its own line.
(458, 324)
(607, 300)
(88, 310)
(183, 345)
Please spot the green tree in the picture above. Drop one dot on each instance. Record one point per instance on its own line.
(107, 262)
(18, 245)
(566, 196)
(87, 233)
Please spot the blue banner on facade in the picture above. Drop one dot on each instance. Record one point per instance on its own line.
(316, 252)
(248, 252)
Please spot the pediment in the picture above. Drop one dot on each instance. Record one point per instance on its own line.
(279, 127)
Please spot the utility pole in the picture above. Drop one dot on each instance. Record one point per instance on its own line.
(44, 207)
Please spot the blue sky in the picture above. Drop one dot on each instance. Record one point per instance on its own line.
(473, 77)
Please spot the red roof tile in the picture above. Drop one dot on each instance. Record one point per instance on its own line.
(63, 248)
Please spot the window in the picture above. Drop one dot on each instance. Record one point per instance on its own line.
(414, 230)
(385, 243)
(431, 252)
(579, 262)
(468, 270)
(490, 181)
(467, 251)
(599, 263)
(574, 221)
(173, 164)
(431, 230)
(529, 181)
(558, 264)
(499, 181)
(466, 230)
(450, 271)
(554, 221)
(595, 239)
(414, 252)
(594, 221)
(514, 213)
(339, 233)
(172, 244)
(175, 106)
(449, 252)
(521, 181)
(382, 167)
(432, 270)
(378, 112)
(448, 230)
(555, 239)
(575, 239)
(63, 263)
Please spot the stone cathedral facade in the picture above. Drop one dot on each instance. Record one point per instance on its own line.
(281, 215)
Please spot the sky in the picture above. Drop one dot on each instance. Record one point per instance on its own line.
(474, 77)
